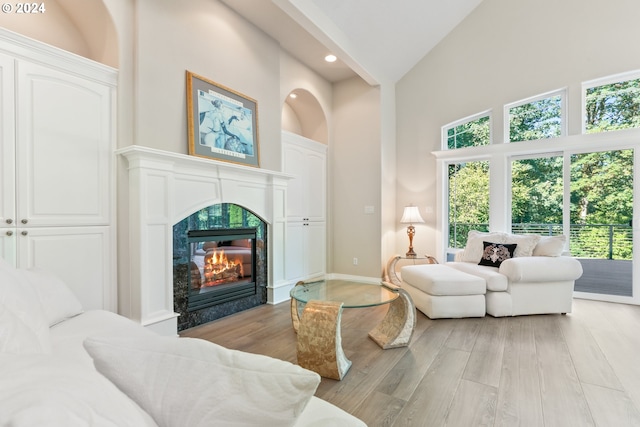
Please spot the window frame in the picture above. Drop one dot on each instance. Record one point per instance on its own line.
(447, 194)
(563, 112)
(445, 129)
(601, 81)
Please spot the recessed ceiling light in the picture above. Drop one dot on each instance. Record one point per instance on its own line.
(330, 58)
(293, 96)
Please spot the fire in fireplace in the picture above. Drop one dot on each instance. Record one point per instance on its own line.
(222, 230)
(222, 266)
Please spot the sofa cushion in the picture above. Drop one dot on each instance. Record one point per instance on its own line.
(67, 337)
(46, 390)
(494, 280)
(496, 253)
(187, 381)
(438, 279)
(526, 243)
(474, 248)
(320, 413)
(541, 269)
(550, 246)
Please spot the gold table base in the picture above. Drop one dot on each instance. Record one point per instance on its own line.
(319, 345)
(319, 341)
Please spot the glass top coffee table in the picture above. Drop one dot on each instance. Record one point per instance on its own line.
(316, 309)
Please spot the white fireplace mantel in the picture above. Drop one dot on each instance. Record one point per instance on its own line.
(166, 187)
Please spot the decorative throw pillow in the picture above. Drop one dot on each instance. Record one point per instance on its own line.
(474, 248)
(17, 335)
(23, 328)
(496, 253)
(526, 243)
(192, 382)
(550, 246)
(58, 302)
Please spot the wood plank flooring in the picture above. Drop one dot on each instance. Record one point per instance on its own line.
(582, 369)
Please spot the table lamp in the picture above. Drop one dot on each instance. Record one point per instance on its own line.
(410, 216)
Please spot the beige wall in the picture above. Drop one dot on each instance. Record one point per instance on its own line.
(207, 38)
(54, 26)
(153, 42)
(503, 52)
(315, 94)
(84, 28)
(354, 179)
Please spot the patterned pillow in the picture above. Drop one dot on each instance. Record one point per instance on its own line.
(495, 253)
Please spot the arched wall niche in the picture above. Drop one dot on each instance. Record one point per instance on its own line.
(82, 27)
(304, 116)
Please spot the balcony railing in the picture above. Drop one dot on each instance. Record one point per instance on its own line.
(599, 241)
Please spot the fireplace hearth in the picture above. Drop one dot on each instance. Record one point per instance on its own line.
(220, 264)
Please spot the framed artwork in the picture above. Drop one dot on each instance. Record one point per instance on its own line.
(223, 124)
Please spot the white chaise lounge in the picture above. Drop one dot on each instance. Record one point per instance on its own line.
(535, 279)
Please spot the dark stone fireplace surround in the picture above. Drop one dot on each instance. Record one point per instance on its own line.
(188, 319)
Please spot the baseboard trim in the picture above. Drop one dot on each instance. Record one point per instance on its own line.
(352, 278)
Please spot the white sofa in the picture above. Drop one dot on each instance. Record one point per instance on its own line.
(538, 278)
(61, 366)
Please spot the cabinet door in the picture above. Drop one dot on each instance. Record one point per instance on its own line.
(306, 193)
(8, 245)
(63, 148)
(295, 258)
(295, 164)
(315, 170)
(7, 142)
(315, 252)
(306, 250)
(80, 256)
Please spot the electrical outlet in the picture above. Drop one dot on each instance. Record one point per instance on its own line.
(355, 261)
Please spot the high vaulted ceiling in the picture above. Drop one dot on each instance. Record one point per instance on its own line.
(379, 40)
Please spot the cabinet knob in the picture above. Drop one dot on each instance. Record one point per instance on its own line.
(24, 233)
(9, 221)
(24, 221)
(9, 233)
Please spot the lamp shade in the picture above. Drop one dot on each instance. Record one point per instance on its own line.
(411, 215)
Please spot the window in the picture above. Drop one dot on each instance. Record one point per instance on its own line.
(612, 105)
(469, 132)
(602, 204)
(537, 118)
(537, 194)
(468, 200)
(581, 186)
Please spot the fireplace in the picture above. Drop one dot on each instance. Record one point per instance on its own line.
(220, 264)
(165, 188)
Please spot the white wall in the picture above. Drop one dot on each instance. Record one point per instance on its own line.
(502, 52)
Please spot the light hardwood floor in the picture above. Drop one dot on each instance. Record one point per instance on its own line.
(582, 369)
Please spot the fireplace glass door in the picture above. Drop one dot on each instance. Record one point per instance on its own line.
(222, 266)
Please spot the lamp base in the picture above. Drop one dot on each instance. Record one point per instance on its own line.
(411, 231)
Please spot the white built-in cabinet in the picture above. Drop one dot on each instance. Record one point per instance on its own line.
(305, 253)
(57, 138)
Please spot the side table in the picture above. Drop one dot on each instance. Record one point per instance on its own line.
(391, 272)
